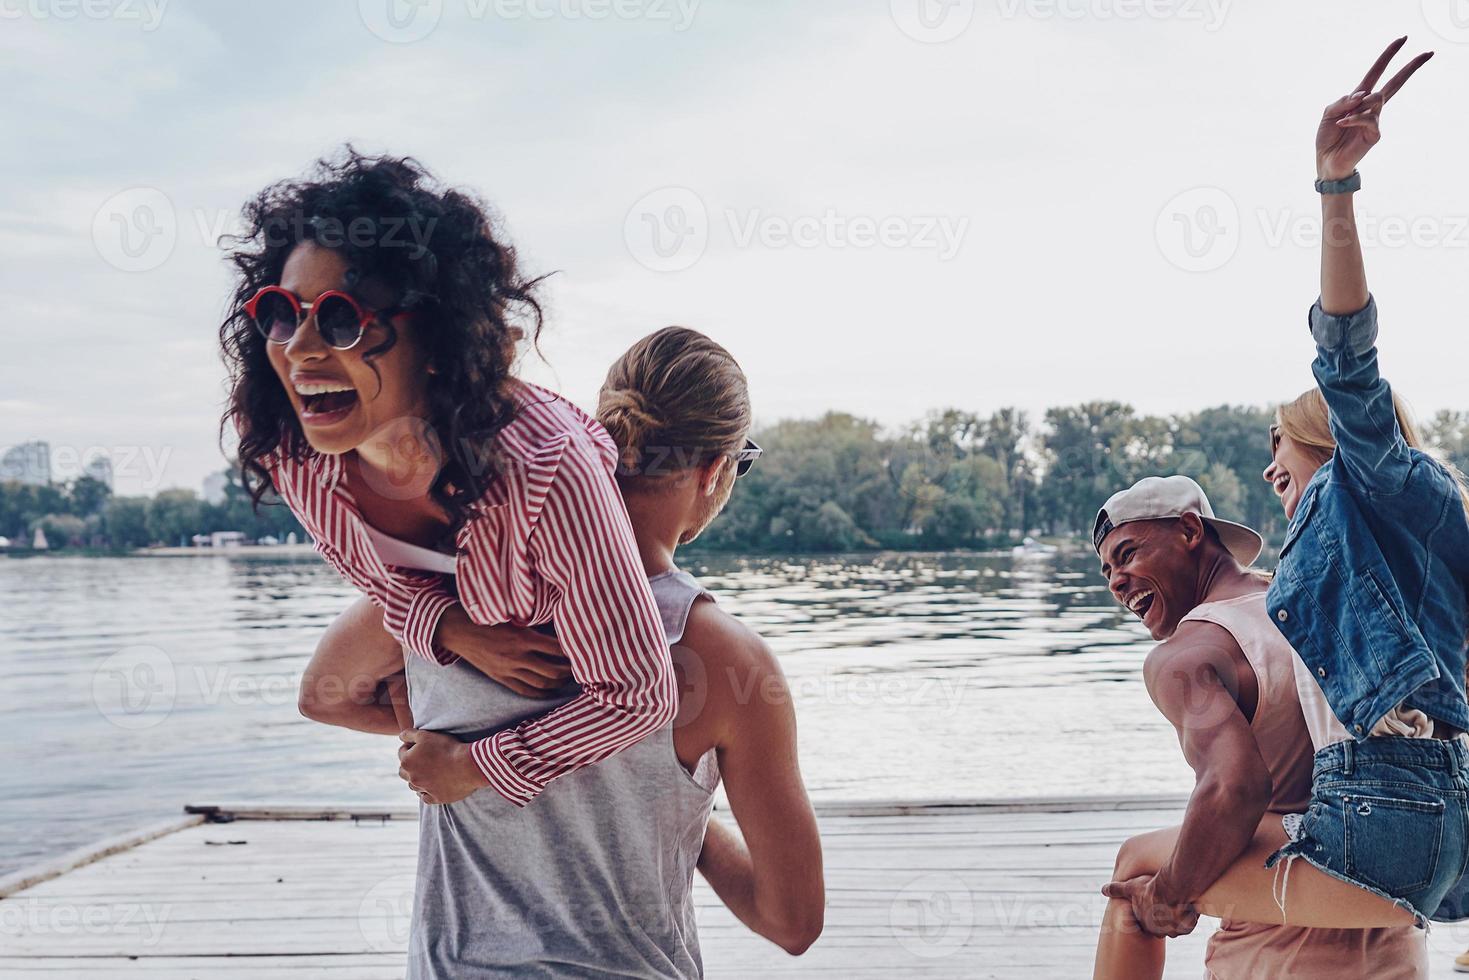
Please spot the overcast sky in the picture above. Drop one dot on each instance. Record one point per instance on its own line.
(880, 206)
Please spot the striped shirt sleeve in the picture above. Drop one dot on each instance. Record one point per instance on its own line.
(411, 616)
(609, 628)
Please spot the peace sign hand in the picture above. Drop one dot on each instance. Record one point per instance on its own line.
(1349, 126)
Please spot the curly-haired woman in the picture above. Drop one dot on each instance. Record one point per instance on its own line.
(370, 348)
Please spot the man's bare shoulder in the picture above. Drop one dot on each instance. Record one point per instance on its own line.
(1195, 646)
(722, 642)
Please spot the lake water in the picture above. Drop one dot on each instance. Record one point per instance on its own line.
(136, 685)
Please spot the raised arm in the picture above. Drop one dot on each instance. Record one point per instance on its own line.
(1344, 322)
(1192, 679)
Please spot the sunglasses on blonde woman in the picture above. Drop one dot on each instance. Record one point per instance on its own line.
(745, 458)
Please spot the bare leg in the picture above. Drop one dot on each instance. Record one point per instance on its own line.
(1247, 892)
(1124, 950)
(355, 678)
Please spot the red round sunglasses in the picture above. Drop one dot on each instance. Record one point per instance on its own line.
(278, 313)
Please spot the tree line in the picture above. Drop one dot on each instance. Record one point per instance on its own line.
(84, 513)
(953, 479)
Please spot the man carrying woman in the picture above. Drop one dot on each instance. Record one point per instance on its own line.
(599, 749)
(1372, 594)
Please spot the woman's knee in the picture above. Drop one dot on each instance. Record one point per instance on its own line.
(1135, 858)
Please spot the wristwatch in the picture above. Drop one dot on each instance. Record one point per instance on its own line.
(1346, 185)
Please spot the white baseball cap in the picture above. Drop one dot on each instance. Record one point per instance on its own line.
(1161, 497)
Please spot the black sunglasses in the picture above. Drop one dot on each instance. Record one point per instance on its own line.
(745, 458)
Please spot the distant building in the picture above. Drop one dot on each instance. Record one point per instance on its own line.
(99, 468)
(226, 539)
(39, 541)
(214, 485)
(29, 463)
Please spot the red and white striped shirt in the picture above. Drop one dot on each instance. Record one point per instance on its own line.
(550, 539)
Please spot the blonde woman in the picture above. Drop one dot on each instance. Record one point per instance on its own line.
(1372, 592)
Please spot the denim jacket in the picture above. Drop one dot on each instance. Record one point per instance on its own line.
(1373, 576)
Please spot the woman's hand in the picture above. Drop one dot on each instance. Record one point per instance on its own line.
(1349, 126)
(527, 662)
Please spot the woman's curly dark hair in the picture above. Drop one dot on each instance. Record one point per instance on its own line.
(437, 248)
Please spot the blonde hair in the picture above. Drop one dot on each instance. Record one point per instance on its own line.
(674, 401)
(1307, 421)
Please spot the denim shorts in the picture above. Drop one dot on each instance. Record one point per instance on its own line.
(1391, 815)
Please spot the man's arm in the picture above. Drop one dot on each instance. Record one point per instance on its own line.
(769, 871)
(1193, 679)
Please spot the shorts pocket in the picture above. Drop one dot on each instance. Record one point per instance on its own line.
(1392, 843)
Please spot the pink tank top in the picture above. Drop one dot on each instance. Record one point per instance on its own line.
(1249, 951)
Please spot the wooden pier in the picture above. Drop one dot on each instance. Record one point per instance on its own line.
(985, 889)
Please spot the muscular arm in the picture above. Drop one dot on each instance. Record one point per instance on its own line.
(1192, 678)
(768, 871)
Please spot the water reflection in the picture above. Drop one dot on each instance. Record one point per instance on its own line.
(139, 684)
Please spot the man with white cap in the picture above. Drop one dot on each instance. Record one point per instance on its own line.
(1224, 676)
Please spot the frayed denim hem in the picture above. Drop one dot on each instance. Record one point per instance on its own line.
(1296, 847)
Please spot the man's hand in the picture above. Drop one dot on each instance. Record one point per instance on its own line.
(527, 662)
(438, 767)
(1157, 918)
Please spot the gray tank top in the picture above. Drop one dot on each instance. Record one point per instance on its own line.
(593, 879)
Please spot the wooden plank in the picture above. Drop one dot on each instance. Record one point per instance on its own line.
(856, 808)
(973, 889)
(83, 856)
